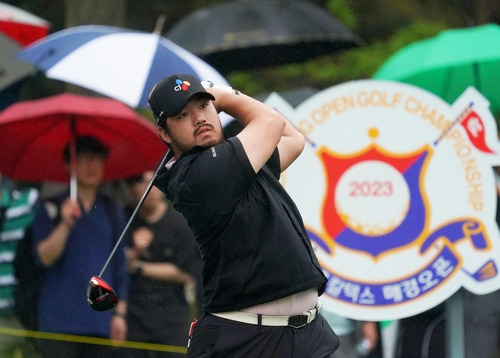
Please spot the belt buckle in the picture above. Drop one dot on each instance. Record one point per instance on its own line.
(298, 321)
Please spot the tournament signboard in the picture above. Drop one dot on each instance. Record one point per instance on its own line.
(398, 195)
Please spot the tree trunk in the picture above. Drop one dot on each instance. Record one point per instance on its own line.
(93, 12)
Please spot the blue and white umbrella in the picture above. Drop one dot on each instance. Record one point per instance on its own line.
(119, 63)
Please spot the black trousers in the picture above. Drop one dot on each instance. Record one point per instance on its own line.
(217, 337)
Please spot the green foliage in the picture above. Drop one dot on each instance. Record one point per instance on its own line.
(363, 62)
(342, 11)
(384, 25)
(326, 71)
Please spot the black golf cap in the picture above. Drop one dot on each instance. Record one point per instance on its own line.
(169, 96)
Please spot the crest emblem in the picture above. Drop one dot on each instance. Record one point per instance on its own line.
(367, 204)
(395, 190)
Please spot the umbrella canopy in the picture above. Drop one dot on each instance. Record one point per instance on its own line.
(21, 25)
(33, 135)
(119, 63)
(12, 69)
(450, 62)
(248, 34)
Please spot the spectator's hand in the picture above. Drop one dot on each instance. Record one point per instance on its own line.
(118, 328)
(370, 332)
(142, 238)
(70, 212)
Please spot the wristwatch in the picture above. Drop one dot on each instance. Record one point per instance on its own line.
(140, 268)
(120, 314)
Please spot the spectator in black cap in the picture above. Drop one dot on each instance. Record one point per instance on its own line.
(261, 277)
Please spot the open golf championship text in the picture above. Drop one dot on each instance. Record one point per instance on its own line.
(398, 194)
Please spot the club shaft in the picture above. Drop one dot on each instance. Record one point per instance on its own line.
(134, 213)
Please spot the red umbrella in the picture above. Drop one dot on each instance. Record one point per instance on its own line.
(21, 25)
(33, 135)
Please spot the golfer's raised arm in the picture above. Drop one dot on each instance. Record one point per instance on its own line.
(263, 125)
(290, 146)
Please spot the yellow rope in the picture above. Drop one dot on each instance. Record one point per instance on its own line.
(92, 340)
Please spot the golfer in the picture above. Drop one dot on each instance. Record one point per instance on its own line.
(261, 278)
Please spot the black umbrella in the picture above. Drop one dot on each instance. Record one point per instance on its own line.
(246, 34)
(12, 70)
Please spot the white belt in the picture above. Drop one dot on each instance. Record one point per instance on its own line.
(295, 321)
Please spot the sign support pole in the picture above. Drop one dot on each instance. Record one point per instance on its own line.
(454, 312)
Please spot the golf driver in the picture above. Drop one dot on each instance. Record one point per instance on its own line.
(100, 295)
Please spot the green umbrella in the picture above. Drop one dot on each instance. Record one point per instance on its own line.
(450, 62)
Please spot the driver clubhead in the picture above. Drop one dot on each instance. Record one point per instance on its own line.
(100, 295)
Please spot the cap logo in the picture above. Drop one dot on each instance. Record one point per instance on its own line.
(181, 85)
